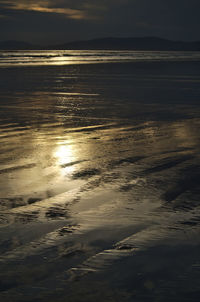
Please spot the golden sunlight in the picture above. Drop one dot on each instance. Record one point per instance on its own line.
(45, 7)
(64, 155)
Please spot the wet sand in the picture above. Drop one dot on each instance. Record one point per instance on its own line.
(99, 176)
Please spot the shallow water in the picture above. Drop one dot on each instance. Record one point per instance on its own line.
(99, 176)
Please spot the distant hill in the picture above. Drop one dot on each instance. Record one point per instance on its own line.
(144, 43)
(16, 45)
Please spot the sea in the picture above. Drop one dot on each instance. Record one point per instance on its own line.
(99, 176)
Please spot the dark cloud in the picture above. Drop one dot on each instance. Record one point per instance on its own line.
(54, 21)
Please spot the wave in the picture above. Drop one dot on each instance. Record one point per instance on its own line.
(39, 58)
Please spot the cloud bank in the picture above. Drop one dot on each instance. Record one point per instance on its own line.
(65, 20)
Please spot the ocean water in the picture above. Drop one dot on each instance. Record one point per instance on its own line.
(99, 176)
(69, 57)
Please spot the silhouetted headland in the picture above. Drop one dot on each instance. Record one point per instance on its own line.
(112, 43)
(16, 45)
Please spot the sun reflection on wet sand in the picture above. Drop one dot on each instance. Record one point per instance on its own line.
(92, 170)
(65, 155)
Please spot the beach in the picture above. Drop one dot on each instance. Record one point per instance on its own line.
(99, 178)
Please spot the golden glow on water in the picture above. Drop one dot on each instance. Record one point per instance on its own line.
(92, 172)
(64, 155)
(52, 156)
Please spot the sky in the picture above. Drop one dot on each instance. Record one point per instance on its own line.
(59, 21)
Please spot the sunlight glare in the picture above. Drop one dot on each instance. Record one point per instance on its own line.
(65, 156)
